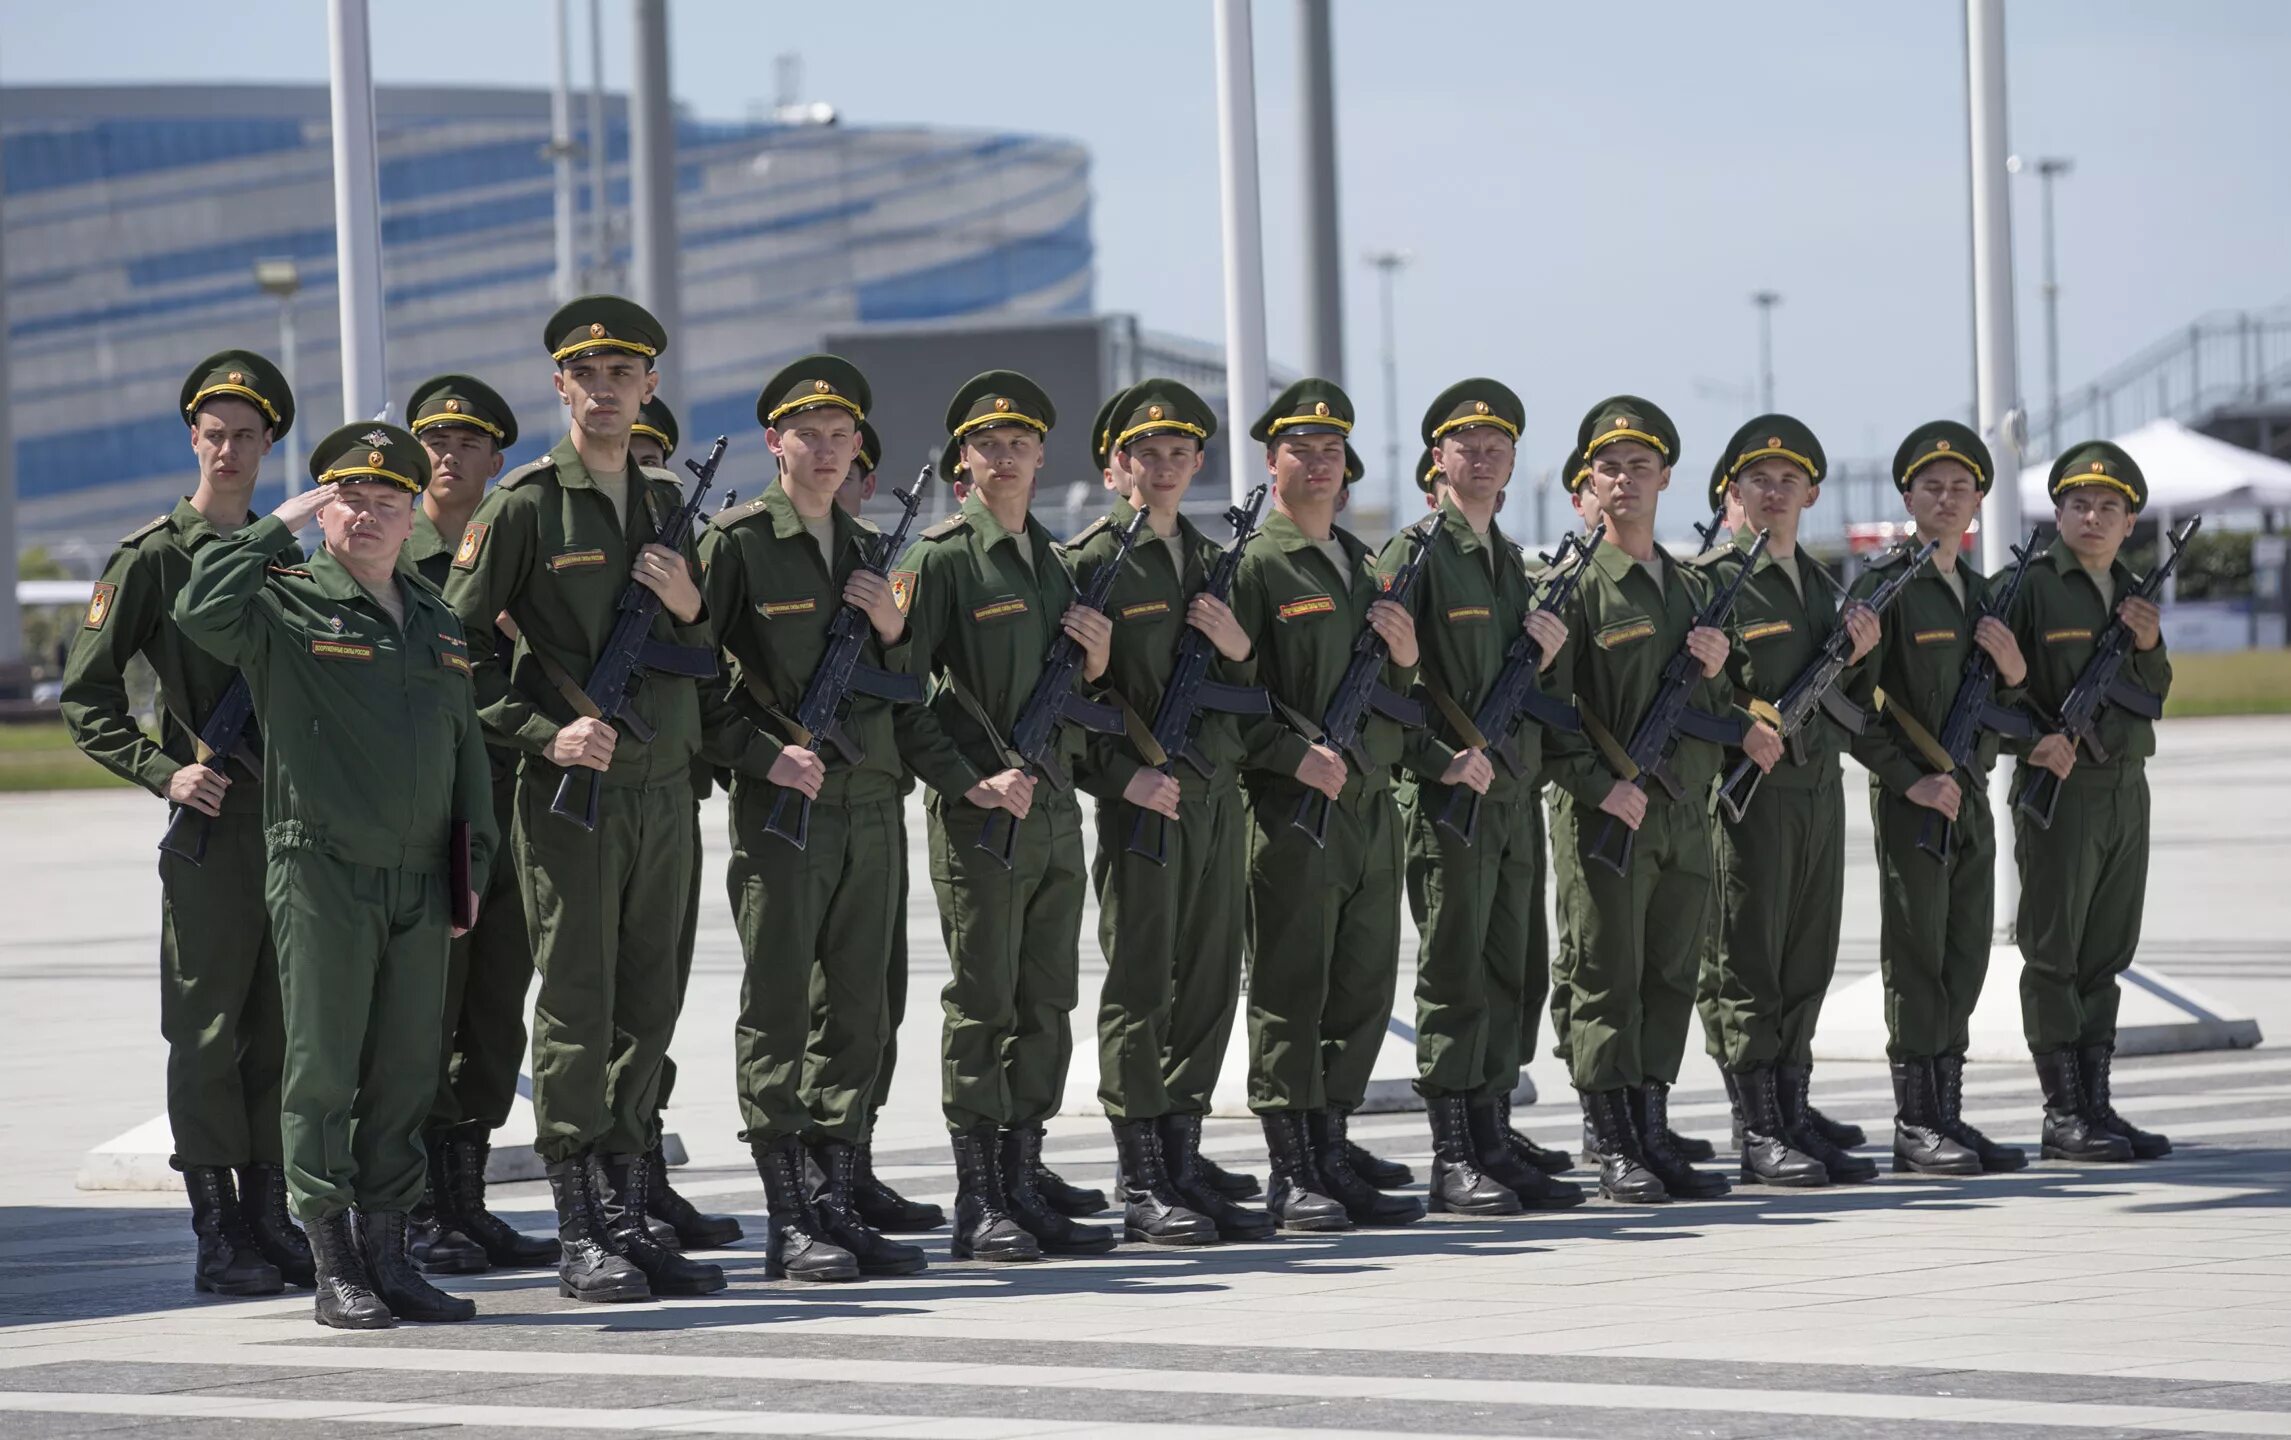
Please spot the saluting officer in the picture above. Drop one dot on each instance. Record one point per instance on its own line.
(2084, 879)
(554, 545)
(1324, 923)
(218, 993)
(1934, 916)
(1479, 978)
(1169, 923)
(375, 760)
(984, 594)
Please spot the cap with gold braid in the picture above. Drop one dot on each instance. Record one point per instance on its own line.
(1627, 417)
(1462, 406)
(240, 375)
(1769, 436)
(2098, 462)
(870, 448)
(1312, 406)
(371, 453)
(998, 397)
(1102, 430)
(461, 400)
(1159, 406)
(655, 419)
(603, 325)
(1427, 469)
(1354, 466)
(1943, 440)
(810, 383)
(1574, 471)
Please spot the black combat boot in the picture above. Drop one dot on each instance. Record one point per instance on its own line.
(838, 1213)
(694, 1229)
(505, 1247)
(1845, 1167)
(587, 1269)
(1075, 1201)
(1055, 1231)
(1537, 1189)
(2072, 1131)
(1920, 1145)
(1615, 1149)
(262, 1210)
(1768, 1155)
(1526, 1151)
(381, 1237)
(2092, 1066)
(1686, 1147)
(1734, 1106)
(1152, 1210)
(622, 1185)
(1658, 1150)
(1189, 1177)
(1949, 1075)
(1459, 1186)
(1296, 1196)
(346, 1298)
(796, 1245)
(882, 1207)
(1232, 1184)
(434, 1237)
(1842, 1133)
(229, 1262)
(1375, 1169)
(1363, 1203)
(984, 1227)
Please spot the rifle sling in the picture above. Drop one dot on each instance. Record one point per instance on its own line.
(1140, 733)
(761, 693)
(1011, 759)
(1454, 714)
(1928, 748)
(1618, 759)
(558, 676)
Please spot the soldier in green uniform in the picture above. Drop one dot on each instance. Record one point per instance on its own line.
(218, 995)
(1633, 969)
(374, 763)
(555, 545)
(1781, 867)
(1934, 919)
(2084, 878)
(1478, 980)
(815, 920)
(1573, 472)
(1324, 921)
(1169, 918)
(984, 595)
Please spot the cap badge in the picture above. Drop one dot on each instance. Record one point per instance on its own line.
(1002, 405)
(376, 437)
(453, 407)
(1940, 444)
(1479, 407)
(1773, 442)
(1320, 407)
(2098, 468)
(373, 457)
(236, 378)
(597, 330)
(1622, 422)
(821, 387)
(1153, 412)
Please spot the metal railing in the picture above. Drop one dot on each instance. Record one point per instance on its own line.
(2227, 358)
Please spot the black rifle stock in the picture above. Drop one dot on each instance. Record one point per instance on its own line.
(226, 728)
(1975, 709)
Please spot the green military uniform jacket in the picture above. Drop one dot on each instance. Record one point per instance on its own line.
(1777, 632)
(129, 616)
(772, 596)
(1620, 635)
(2059, 617)
(373, 744)
(1148, 606)
(1302, 617)
(1469, 601)
(428, 553)
(546, 546)
(981, 617)
(1919, 660)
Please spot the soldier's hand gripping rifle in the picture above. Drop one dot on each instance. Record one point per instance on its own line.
(630, 650)
(1190, 690)
(840, 674)
(1975, 709)
(1034, 735)
(2101, 683)
(1815, 692)
(1515, 695)
(1668, 716)
(223, 735)
(1362, 690)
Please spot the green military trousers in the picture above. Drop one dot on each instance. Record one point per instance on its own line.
(219, 999)
(687, 940)
(1478, 983)
(1562, 956)
(1172, 940)
(1934, 923)
(362, 956)
(1781, 898)
(894, 983)
(1540, 979)
(1636, 938)
(606, 909)
(1324, 946)
(815, 925)
(2084, 883)
(489, 972)
(1013, 940)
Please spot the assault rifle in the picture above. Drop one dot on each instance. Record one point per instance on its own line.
(222, 735)
(1975, 709)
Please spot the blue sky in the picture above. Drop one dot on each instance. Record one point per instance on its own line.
(1591, 192)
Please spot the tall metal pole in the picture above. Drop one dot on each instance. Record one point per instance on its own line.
(600, 147)
(1324, 279)
(652, 183)
(2048, 170)
(290, 365)
(357, 213)
(566, 282)
(1388, 264)
(1244, 242)
(12, 676)
(1996, 372)
(1766, 300)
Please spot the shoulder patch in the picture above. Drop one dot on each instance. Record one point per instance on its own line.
(153, 528)
(472, 545)
(903, 584)
(725, 519)
(527, 471)
(99, 604)
(954, 524)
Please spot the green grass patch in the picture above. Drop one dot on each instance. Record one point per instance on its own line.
(42, 757)
(2234, 682)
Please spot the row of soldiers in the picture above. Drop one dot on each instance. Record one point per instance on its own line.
(1284, 737)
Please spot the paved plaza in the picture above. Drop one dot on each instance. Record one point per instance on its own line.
(2062, 1301)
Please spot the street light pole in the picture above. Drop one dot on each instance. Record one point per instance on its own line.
(1243, 238)
(357, 213)
(1324, 283)
(283, 279)
(565, 283)
(2049, 169)
(1766, 300)
(1388, 265)
(600, 232)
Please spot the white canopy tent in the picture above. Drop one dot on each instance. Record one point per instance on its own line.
(2187, 473)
